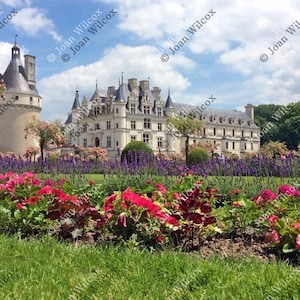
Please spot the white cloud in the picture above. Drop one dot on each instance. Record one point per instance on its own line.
(32, 21)
(16, 3)
(133, 61)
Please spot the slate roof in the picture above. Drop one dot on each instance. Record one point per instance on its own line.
(14, 76)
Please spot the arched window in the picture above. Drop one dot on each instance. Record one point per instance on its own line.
(97, 142)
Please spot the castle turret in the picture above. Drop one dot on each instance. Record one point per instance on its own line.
(20, 104)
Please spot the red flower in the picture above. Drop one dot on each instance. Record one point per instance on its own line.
(108, 202)
(46, 190)
(272, 220)
(91, 182)
(20, 206)
(160, 239)
(176, 196)
(236, 204)
(190, 172)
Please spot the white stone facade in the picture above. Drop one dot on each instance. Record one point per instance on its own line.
(114, 117)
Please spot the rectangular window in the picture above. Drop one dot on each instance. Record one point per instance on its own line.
(159, 112)
(214, 131)
(147, 124)
(233, 145)
(132, 108)
(242, 133)
(132, 138)
(132, 125)
(159, 142)
(117, 125)
(159, 126)
(146, 138)
(84, 142)
(251, 134)
(226, 145)
(232, 132)
(147, 110)
(108, 125)
(108, 142)
(97, 126)
(117, 110)
(224, 132)
(117, 143)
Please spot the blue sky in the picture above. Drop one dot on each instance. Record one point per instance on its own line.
(221, 57)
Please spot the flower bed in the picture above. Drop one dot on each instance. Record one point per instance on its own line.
(184, 216)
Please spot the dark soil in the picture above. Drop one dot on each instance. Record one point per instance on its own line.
(238, 246)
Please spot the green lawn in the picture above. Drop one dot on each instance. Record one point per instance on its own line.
(47, 269)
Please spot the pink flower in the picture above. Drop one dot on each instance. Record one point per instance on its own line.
(176, 196)
(49, 182)
(273, 237)
(298, 242)
(268, 195)
(297, 225)
(272, 220)
(122, 219)
(161, 188)
(288, 190)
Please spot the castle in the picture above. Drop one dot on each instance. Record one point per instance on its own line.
(112, 118)
(19, 103)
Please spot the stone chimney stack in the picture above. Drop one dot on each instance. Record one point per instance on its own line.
(144, 84)
(133, 85)
(156, 93)
(250, 111)
(30, 70)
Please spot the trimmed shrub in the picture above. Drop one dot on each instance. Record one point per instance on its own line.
(196, 156)
(134, 150)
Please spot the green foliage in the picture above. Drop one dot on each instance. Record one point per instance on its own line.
(279, 123)
(185, 127)
(196, 156)
(133, 149)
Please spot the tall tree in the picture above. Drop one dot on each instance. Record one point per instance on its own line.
(185, 127)
(45, 132)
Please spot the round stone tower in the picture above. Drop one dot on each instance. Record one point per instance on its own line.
(19, 103)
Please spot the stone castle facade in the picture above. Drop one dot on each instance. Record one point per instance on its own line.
(114, 117)
(19, 103)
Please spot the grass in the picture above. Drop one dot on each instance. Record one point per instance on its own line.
(46, 269)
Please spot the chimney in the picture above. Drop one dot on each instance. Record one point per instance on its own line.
(156, 93)
(144, 84)
(30, 70)
(111, 91)
(249, 108)
(133, 85)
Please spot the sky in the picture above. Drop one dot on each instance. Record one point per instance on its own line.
(238, 51)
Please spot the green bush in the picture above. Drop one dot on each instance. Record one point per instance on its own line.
(196, 156)
(134, 149)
